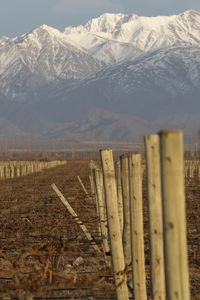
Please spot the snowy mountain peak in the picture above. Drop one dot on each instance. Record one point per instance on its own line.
(106, 23)
(37, 34)
(49, 29)
(145, 66)
(110, 22)
(144, 33)
(45, 36)
(39, 57)
(190, 12)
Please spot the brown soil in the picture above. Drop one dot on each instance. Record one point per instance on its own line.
(43, 252)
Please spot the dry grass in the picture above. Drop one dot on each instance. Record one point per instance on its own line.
(44, 253)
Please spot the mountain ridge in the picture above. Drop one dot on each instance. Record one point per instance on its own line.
(144, 68)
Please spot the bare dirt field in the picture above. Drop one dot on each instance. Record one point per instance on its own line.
(43, 252)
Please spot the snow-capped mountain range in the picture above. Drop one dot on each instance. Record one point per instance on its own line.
(128, 65)
(141, 34)
(45, 54)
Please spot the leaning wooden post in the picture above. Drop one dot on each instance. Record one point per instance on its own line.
(82, 185)
(76, 218)
(155, 216)
(137, 233)
(172, 172)
(126, 208)
(114, 224)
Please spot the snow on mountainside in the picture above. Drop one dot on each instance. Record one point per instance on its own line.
(145, 68)
(143, 33)
(174, 69)
(112, 52)
(45, 54)
(155, 84)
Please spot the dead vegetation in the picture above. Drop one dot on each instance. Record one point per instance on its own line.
(43, 252)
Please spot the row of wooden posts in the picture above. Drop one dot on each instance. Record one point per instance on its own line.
(119, 200)
(192, 168)
(12, 169)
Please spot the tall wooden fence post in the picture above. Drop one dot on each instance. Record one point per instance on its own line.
(126, 208)
(96, 197)
(102, 212)
(172, 171)
(155, 216)
(114, 224)
(137, 234)
(119, 194)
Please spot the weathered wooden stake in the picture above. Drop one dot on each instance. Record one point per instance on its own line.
(91, 185)
(96, 197)
(76, 218)
(126, 208)
(114, 224)
(137, 234)
(155, 216)
(119, 194)
(172, 172)
(2, 172)
(102, 212)
(82, 185)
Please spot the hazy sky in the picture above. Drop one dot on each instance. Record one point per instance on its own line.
(21, 16)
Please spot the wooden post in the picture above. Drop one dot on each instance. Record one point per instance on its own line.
(18, 171)
(23, 170)
(96, 198)
(76, 218)
(137, 234)
(186, 168)
(119, 194)
(126, 209)
(114, 224)
(102, 213)
(91, 185)
(1, 172)
(82, 185)
(12, 171)
(8, 172)
(172, 171)
(155, 216)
